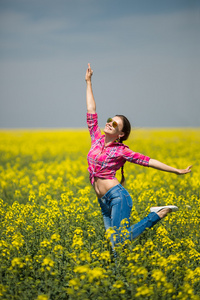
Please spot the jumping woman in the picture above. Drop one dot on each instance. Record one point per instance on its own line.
(107, 155)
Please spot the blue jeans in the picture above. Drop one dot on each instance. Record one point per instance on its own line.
(116, 206)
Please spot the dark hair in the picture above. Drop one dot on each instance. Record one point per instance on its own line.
(126, 129)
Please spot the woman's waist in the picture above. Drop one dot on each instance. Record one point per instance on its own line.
(102, 185)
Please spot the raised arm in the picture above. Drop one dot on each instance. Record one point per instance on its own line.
(91, 105)
(153, 163)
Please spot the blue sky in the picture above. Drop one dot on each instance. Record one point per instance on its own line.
(145, 56)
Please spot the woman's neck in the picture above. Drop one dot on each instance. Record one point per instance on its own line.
(109, 140)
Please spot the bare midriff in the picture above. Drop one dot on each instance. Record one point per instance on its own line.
(102, 186)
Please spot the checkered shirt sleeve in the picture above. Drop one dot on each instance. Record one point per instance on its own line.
(135, 157)
(92, 122)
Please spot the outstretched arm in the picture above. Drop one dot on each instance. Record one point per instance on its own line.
(91, 105)
(153, 163)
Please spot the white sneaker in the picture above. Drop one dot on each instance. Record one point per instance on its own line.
(158, 208)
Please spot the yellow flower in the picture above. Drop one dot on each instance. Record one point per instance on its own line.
(81, 269)
(42, 297)
(158, 275)
(17, 240)
(77, 241)
(144, 291)
(105, 256)
(109, 232)
(3, 289)
(45, 243)
(58, 249)
(75, 283)
(85, 256)
(95, 254)
(118, 284)
(55, 237)
(59, 222)
(48, 262)
(17, 262)
(96, 273)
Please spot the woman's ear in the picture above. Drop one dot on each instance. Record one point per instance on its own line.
(121, 135)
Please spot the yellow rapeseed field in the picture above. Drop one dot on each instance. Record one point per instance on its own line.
(52, 239)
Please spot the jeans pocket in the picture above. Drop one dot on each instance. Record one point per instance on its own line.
(116, 200)
(129, 200)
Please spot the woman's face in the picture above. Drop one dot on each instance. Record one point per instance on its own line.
(114, 129)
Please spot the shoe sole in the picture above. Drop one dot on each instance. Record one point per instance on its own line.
(157, 209)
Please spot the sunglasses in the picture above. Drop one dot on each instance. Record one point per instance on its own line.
(114, 123)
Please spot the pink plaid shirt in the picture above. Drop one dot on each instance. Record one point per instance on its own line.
(103, 160)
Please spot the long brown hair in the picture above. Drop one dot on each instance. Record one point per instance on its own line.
(126, 130)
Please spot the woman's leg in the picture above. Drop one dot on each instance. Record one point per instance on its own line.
(121, 207)
(116, 206)
(106, 213)
(147, 222)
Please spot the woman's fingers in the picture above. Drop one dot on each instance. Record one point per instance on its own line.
(89, 69)
(185, 171)
(189, 168)
(89, 73)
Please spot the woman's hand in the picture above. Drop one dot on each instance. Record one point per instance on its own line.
(89, 73)
(184, 171)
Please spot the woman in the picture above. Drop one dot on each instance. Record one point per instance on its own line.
(106, 156)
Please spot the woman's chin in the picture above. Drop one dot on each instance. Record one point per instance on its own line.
(106, 131)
